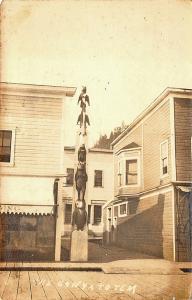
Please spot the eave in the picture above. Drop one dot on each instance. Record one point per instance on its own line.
(35, 90)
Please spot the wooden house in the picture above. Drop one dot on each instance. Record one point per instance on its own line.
(152, 208)
(99, 188)
(32, 139)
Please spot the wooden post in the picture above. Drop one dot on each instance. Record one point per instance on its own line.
(59, 222)
(79, 238)
(79, 235)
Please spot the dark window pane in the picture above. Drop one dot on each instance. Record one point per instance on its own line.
(97, 214)
(70, 176)
(68, 213)
(5, 145)
(5, 154)
(164, 170)
(98, 178)
(164, 158)
(164, 163)
(7, 138)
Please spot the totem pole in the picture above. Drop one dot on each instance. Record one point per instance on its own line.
(79, 237)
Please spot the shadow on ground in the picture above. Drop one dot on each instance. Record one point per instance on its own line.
(102, 253)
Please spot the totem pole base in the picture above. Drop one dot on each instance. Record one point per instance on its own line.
(79, 246)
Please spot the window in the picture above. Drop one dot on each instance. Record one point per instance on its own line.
(98, 178)
(131, 172)
(68, 213)
(164, 158)
(115, 211)
(5, 145)
(123, 209)
(70, 176)
(97, 214)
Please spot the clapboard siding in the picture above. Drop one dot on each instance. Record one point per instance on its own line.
(183, 134)
(37, 124)
(156, 129)
(150, 228)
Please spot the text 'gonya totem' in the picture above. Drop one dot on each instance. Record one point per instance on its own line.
(79, 218)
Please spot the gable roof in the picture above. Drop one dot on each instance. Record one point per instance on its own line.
(130, 146)
(158, 100)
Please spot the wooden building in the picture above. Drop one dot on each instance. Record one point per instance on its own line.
(99, 188)
(152, 208)
(32, 139)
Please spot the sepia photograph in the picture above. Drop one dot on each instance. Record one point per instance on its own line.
(95, 149)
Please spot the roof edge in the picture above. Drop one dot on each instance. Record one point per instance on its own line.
(150, 107)
(72, 148)
(47, 90)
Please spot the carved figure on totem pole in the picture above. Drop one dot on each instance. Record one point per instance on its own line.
(79, 218)
(80, 119)
(83, 120)
(82, 154)
(83, 99)
(81, 180)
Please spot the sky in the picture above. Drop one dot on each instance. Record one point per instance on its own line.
(125, 52)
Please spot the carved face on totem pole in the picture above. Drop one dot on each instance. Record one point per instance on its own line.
(82, 154)
(81, 180)
(79, 219)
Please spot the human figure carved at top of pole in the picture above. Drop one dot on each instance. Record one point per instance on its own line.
(83, 119)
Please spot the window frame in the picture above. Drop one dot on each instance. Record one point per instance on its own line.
(12, 154)
(119, 212)
(68, 223)
(161, 159)
(120, 173)
(70, 184)
(137, 167)
(137, 158)
(94, 222)
(123, 156)
(98, 186)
